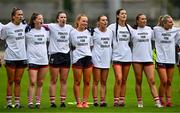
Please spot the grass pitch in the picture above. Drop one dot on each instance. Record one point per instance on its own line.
(130, 101)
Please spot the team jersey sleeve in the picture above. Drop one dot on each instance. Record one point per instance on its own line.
(152, 35)
(48, 36)
(71, 28)
(152, 39)
(133, 32)
(111, 36)
(177, 38)
(70, 39)
(111, 27)
(26, 38)
(92, 40)
(155, 30)
(1, 26)
(130, 28)
(3, 33)
(47, 24)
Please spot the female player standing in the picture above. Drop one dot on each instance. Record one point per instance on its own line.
(165, 39)
(15, 55)
(121, 55)
(81, 59)
(36, 40)
(59, 60)
(142, 58)
(101, 57)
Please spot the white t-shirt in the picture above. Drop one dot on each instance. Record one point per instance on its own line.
(165, 44)
(59, 38)
(142, 47)
(82, 41)
(102, 50)
(36, 46)
(121, 50)
(14, 35)
(1, 26)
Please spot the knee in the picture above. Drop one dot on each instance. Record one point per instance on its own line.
(86, 83)
(138, 81)
(32, 84)
(39, 84)
(168, 83)
(10, 82)
(53, 82)
(152, 81)
(123, 82)
(103, 83)
(164, 83)
(118, 82)
(77, 83)
(17, 81)
(63, 81)
(95, 83)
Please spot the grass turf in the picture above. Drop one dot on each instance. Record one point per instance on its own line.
(130, 101)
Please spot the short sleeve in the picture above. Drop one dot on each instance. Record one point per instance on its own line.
(177, 38)
(3, 33)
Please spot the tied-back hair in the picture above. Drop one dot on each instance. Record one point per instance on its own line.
(130, 42)
(60, 12)
(98, 19)
(159, 23)
(130, 35)
(116, 30)
(13, 13)
(164, 19)
(33, 17)
(77, 20)
(137, 18)
(91, 30)
(128, 30)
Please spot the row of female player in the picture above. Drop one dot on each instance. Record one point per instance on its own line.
(92, 52)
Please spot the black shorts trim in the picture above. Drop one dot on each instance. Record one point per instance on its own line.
(84, 62)
(144, 63)
(16, 63)
(36, 67)
(121, 63)
(164, 65)
(100, 68)
(60, 60)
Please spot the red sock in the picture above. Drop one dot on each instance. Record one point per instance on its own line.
(95, 99)
(103, 100)
(121, 99)
(116, 99)
(9, 100)
(62, 98)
